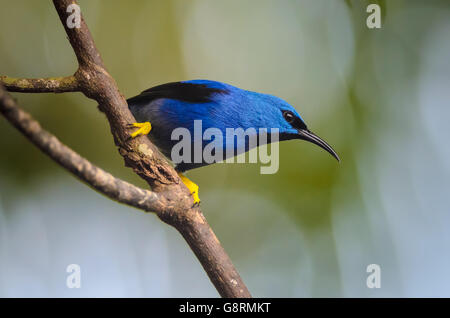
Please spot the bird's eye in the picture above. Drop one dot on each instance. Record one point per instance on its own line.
(289, 116)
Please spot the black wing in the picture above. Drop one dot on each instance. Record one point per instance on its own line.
(187, 92)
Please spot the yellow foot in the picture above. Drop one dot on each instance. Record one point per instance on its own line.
(193, 188)
(144, 129)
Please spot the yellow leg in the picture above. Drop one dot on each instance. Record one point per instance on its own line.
(193, 188)
(144, 129)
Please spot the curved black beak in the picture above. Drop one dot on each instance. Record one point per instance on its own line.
(305, 134)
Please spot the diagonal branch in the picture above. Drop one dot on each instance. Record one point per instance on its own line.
(96, 83)
(95, 177)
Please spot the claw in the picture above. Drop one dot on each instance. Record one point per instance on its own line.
(193, 188)
(144, 128)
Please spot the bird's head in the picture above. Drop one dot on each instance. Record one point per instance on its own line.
(291, 125)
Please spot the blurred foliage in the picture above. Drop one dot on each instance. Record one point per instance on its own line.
(318, 55)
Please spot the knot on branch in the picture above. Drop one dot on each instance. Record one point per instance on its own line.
(94, 81)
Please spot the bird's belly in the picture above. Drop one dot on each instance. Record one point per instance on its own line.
(190, 154)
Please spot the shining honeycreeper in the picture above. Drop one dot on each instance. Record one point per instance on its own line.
(162, 109)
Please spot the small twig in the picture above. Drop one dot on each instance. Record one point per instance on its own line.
(40, 85)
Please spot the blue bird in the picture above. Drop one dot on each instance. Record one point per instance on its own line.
(164, 108)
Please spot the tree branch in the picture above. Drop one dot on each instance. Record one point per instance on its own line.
(95, 177)
(170, 199)
(40, 85)
(96, 83)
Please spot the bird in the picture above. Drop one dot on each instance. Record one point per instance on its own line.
(162, 109)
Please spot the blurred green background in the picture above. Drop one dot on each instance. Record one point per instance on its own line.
(380, 97)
